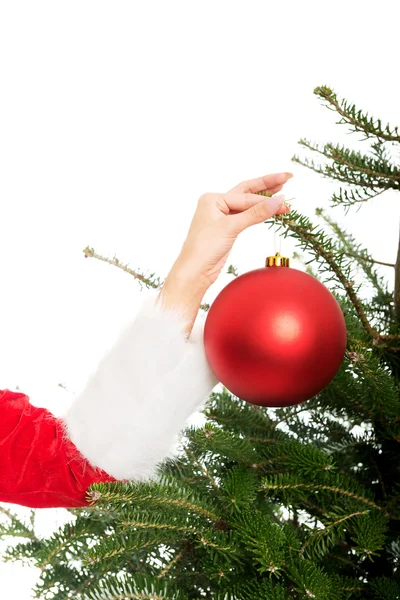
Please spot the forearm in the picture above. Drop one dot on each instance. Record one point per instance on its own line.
(182, 288)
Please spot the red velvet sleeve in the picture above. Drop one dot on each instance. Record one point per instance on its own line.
(39, 466)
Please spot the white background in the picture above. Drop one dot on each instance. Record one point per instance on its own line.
(116, 116)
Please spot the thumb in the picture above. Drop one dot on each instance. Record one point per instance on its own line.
(257, 213)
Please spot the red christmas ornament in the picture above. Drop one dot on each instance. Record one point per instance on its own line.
(275, 336)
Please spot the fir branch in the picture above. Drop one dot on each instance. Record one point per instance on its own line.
(239, 489)
(17, 528)
(211, 438)
(312, 581)
(357, 119)
(324, 171)
(385, 588)
(283, 415)
(203, 469)
(328, 528)
(394, 500)
(376, 387)
(350, 248)
(100, 553)
(173, 495)
(90, 252)
(82, 529)
(259, 440)
(140, 586)
(337, 447)
(165, 522)
(299, 457)
(348, 198)
(281, 484)
(226, 409)
(303, 229)
(263, 538)
(256, 589)
(353, 167)
(369, 533)
(397, 284)
(361, 258)
(169, 566)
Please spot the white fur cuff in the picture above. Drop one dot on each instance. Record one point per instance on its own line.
(128, 417)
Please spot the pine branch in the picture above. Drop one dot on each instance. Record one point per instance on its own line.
(303, 230)
(357, 119)
(361, 258)
(312, 581)
(203, 469)
(348, 243)
(347, 198)
(397, 284)
(285, 483)
(140, 586)
(17, 528)
(174, 495)
(90, 253)
(169, 566)
(148, 521)
(385, 588)
(327, 530)
(355, 168)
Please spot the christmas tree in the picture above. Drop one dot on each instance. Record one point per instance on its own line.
(291, 503)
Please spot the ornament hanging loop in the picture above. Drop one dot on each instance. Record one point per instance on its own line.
(278, 260)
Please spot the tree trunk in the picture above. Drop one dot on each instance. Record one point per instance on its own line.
(397, 285)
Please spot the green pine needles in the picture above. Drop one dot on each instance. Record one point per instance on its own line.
(286, 504)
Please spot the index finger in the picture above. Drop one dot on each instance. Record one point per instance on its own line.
(261, 184)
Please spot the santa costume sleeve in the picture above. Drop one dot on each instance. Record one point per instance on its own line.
(123, 424)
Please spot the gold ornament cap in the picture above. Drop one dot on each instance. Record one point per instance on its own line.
(277, 261)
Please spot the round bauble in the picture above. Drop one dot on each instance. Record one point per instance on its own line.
(275, 336)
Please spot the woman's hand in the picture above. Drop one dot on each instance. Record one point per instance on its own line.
(218, 220)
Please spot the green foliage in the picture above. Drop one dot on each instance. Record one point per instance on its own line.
(370, 533)
(370, 176)
(385, 589)
(357, 120)
(239, 486)
(263, 539)
(274, 504)
(140, 586)
(263, 590)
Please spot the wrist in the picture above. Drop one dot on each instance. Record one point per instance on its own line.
(188, 278)
(185, 289)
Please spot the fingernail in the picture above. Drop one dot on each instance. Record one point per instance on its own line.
(289, 175)
(276, 201)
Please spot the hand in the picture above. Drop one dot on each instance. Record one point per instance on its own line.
(218, 220)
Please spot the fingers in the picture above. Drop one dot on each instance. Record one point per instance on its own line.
(264, 183)
(253, 210)
(234, 201)
(275, 189)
